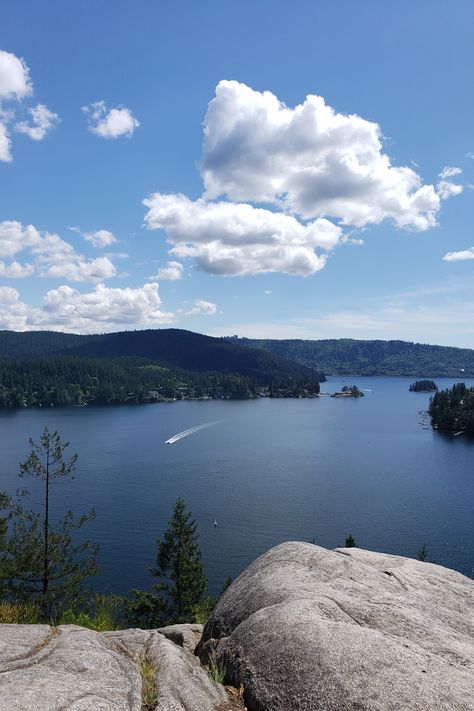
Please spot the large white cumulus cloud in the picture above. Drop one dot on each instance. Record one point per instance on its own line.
(14, 77)
(309, 159)
(281, 184)
(66, 309)
(234, 238)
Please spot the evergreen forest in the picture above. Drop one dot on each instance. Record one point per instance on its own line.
(423, 386)
(43, 369)
(346, 356)
(452, 410)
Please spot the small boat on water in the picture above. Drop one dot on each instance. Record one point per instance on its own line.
(190, 431)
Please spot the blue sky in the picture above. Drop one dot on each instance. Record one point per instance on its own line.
(268, 214)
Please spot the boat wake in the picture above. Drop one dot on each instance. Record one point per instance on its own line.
(190, 431)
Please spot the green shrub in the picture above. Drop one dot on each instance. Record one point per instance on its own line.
(203, 609)
(103, 613)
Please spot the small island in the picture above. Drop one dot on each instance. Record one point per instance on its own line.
(349, 391)
(452, 410)
(423, 386)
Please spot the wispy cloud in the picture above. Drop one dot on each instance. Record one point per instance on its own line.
(201, 307)
(449, 172)
(173, 271)
(97, 238)
(42, 122)
(459, 256)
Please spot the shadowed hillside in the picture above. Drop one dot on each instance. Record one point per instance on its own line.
(173, 347)
(45, 368)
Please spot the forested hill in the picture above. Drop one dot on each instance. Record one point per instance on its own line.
(16, 345)
(352, 357)
(172, 347)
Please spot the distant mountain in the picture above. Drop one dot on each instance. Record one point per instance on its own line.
(346, 356)
(172, 347)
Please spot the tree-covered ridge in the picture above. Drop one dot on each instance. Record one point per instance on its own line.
(423, 386)
(453, 410)
(83, 381)
(174, 347)
(47, 368)
(346, 356)
(16, 345)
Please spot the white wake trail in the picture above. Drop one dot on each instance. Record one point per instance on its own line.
(190, 431)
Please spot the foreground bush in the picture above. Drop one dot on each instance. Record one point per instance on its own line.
(103, 613)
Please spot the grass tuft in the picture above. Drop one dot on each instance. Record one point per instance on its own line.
(149, 687)
(217, 668)
(20, 613)
(218, 673)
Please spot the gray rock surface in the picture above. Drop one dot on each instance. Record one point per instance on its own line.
(182, 684)
(302, 629)
(307, 629)
(70, 668)
(186, 636)
(65, 668)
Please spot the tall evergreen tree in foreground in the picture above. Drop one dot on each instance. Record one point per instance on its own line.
(179, 568)
(179, 563)
(43, 563)
(46, 462)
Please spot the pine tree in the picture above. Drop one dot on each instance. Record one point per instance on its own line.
(45, 565)
(350, 542)
(422, 553)
(179, 564)
(182, 581)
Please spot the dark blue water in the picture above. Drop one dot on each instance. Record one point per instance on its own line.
(270, 471)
